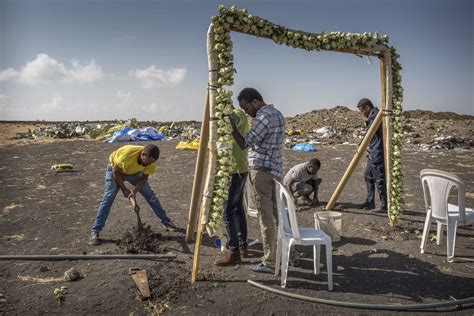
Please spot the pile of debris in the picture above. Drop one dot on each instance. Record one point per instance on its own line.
(58, 130)
(182, 131)
(340, 125)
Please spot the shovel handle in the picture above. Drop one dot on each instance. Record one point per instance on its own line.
(136, 208)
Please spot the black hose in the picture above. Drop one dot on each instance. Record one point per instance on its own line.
(168, 255)
(364, 306)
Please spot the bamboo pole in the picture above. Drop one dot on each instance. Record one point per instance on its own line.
(207, 194)
(359, 152)
(198, 173)
(383, 108)
(388, 127)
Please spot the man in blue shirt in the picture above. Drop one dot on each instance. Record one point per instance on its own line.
(375, 171)
(265, 143)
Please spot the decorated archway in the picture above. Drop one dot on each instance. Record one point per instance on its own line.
(216, 132)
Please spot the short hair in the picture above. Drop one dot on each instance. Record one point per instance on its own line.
(152, 151)
(315, 162)
(249, 94)
(365, 102)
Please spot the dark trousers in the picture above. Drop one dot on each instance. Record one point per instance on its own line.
(234, 214)
(375, 177)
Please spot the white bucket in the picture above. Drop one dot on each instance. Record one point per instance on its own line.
(329, 222)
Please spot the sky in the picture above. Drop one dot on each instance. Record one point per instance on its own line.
(103, 60)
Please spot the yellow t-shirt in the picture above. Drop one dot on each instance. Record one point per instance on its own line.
(126, 158)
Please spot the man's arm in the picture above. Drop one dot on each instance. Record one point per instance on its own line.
(239, 139)
(117, 174)
(255, 136)
(141, 182)
(315, 191)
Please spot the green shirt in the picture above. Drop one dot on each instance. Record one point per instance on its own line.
(240, 156)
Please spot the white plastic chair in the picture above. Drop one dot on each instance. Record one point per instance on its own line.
(436, 187)
(289, 234)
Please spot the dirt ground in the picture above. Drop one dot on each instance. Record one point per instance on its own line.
(47, 213)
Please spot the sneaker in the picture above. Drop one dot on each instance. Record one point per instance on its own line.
(260, 268)
(228, 258)
(170, 226)
(94, 239)
(243, 251)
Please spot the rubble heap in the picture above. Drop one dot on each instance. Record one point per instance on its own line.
(424, 129)
(340, 125)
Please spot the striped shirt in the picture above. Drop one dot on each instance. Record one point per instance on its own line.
(265, 140)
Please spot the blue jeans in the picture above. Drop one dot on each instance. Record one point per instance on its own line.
(234, 213)
(110, 191)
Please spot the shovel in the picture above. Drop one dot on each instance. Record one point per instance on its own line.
(136, 209)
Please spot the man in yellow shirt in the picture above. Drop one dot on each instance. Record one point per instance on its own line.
(132, 164)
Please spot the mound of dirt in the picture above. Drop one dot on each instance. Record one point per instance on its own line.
(141, 241)
(421, 114)
(424, 129)
(166, 285)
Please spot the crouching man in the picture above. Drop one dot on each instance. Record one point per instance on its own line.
(302, 180)
(132, 164)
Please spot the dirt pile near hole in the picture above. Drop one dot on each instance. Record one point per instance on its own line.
(166, 285)
(141, 241)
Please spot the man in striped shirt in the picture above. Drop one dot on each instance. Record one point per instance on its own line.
(265, 143)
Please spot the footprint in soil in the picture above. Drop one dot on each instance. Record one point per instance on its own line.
(141, 241)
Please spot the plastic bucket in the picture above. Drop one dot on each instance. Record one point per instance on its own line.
(329, 222)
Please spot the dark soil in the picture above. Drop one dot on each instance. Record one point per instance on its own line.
(47, 213)
(141, 241)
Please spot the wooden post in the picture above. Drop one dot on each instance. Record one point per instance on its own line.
(359, 152)
(212, 148)
(383, 108)
(198, 173)
(387, 120)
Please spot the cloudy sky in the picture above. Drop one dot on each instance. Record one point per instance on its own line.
(94, 60)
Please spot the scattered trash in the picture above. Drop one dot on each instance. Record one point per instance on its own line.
(128, 134)
(303, 147)
(71, 275)
(194, 145)
(148, 130)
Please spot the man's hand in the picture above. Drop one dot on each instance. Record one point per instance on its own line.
(126, 192)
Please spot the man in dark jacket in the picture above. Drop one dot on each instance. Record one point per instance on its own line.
(375, 171)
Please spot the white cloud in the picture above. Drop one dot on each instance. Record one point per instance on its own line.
(9, 74)
(153, 77)
(55, 104)
(46, 69)
(85, 74)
